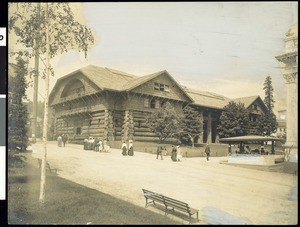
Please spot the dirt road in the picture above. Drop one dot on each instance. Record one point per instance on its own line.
(223, 194)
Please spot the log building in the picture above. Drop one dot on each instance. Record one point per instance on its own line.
(113, 105)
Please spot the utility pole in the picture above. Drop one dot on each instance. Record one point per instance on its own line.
(45, 125)
(36, 76)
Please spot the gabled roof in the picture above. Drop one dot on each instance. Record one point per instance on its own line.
(207, 99)
(249, 100)
(110, 79)
(141, 80)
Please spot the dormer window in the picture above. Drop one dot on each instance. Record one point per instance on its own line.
(161, 87)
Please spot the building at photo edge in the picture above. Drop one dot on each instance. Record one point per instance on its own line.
(288, 61)
(113, 105)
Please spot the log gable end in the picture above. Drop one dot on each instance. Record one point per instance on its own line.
(162, 86)
(71, 88)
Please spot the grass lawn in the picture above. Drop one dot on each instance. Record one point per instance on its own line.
(67, 202)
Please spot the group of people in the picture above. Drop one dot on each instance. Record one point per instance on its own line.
(247, 150)
(95, 144)
(62, 140)
(127, 150)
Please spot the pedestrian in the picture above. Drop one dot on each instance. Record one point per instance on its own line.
(229, 149)
(59, 141)
(130, 148)
(207, 151)
(179, 154)
(85, 143)
(96, 147)
(65, 139)
(106, 147)
(174, 153)
(262, 150)
(100, 145)
(248, 149)
(159, 152)
(124, 148)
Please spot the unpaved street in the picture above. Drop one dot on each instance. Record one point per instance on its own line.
(223, 194)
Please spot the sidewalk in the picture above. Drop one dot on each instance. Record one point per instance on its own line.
(222, 193)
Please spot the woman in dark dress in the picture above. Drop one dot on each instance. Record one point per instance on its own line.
(124, 148)
(130, 148)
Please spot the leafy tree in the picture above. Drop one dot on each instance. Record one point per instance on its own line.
(65, 32)
(165, 122)
(192, 125)
(267, 124)
(234, 120)
(17, 111)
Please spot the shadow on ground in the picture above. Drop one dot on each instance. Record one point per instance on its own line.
(67, 202)
(214, 216)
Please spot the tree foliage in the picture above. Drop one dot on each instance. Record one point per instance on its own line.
(65, 32)
(192, 125)
(234, 120)
(165, 122)
(268, 122)
(268, 88)
(17, 111)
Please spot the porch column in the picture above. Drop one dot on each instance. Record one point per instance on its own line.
(200, 140)
(208, 130)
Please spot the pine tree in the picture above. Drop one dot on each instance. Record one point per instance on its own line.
(268, 88)
(268, 122)
(17, 111)
(192, 125)
(234, 120)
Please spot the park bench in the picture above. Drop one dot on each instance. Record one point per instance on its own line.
(152, 197)
(52, 170)
(169, 203)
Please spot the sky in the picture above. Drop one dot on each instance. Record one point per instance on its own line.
(227, 48)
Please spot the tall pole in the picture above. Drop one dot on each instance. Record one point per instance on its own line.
(36, 75)
(45, 125)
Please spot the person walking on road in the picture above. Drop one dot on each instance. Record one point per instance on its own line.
(64, 139)
(207, 151)
(59, 141)
(159, 152)
(124, 148)
(130, 148)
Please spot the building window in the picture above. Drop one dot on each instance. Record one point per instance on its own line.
(156, 86)
(146, 102)
(161, 87)
(78, 131)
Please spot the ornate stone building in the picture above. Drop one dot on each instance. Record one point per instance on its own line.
(106, 103)
(288, 60)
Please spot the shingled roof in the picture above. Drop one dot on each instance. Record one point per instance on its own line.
(111, 79)
(246, 100)
(207, 99)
